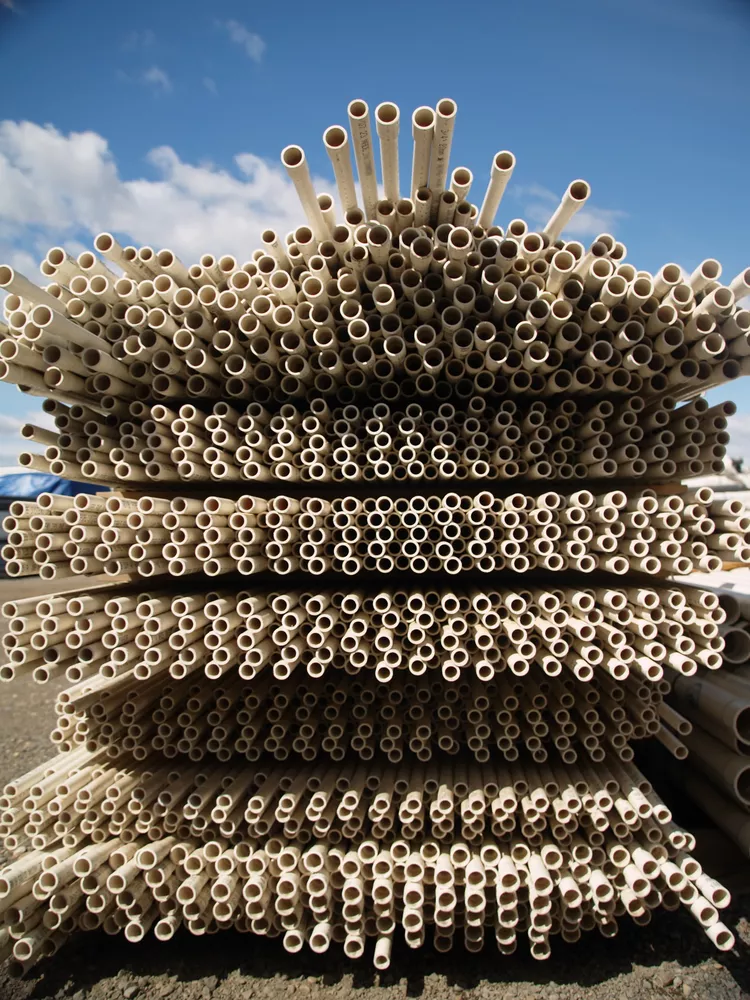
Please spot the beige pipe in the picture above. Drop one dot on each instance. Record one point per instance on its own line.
(423, 132)
(387, 122)
(740, 285)
(503, 164)
(573, 200)
(293, 159)
(445, 120)
(336, 142)
(14, 283)
(47, 319)
(361, 129)
(461, 181)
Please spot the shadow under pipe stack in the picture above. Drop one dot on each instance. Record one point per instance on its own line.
(379, 592)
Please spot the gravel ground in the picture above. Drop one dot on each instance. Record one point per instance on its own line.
(669, 959)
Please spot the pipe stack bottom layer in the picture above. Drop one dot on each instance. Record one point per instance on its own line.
(460, 761)
(100, 845)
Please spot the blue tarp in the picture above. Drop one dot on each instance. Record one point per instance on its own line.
(28, 485)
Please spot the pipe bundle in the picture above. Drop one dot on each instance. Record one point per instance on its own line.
(437, 305)
(326, 895)
(540, 441)
(155, 797)
(337, 750)
(566, 855)
(363, 718)
(452, 533)
(116, 635)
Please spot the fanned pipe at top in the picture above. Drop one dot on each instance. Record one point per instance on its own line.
(359, 123)
(573, 201)
(502, 168)
(293, 158)
(445, 120)
(336, 142)
(387, 118)
(423, 131)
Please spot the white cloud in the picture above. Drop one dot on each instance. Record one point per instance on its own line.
(8, 4)
(10, 425)
(210, 84)
(11, 442)
(157, 78)
(139, 39)
(62, 188)
(539, 203)
(21, 261)
(253, 44)
(739, 438)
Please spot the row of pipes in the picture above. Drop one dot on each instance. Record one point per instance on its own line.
(366, 718)
(378, 443)
(115, 634)
(582, 531)
(473, 329)
(83, 875)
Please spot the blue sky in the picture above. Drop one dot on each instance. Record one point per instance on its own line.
(165, 120)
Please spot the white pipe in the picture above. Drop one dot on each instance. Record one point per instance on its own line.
(47, 319)
(361, 129)
(573, 200)
(14, 282)
(740, 285)
(293, 159)
(503, 164)
(336, 141)
(387, 122)
(423, 130)
(445, 121)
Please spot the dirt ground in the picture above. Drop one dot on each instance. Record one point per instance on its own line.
(670, 958)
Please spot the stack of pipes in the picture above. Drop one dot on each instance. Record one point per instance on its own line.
(581, 531)
(714, 713)
(475, 635)
(538, 441)
(446, 758)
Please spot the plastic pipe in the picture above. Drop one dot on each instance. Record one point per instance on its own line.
(387, 122)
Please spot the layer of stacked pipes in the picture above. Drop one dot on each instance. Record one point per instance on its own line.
(576, 632)
(513, 440)
(582, 531)
(129, 848)
(414, 298)
(335, 751)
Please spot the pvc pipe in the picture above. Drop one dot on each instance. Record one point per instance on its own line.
(573, 200)
(445, 120)
(387, 122)
(293, 159)
(336, 142)
(13, 282)
(739, 285)
(461, 181)
(423, 131)
(361, 129)
(503, 164)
